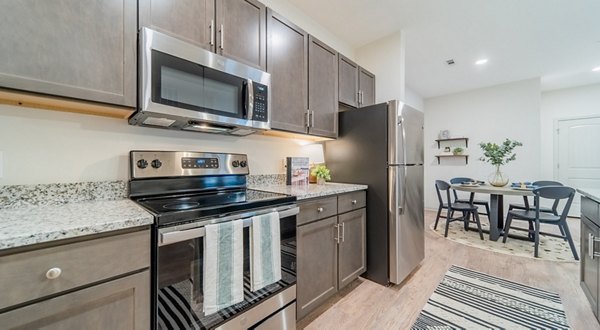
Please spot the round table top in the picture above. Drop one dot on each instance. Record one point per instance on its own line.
(489, 189)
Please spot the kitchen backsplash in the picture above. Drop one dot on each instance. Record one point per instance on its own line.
(15, 196)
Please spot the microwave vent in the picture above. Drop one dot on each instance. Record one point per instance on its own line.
(156, 121)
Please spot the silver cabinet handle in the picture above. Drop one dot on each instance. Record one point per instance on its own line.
(591, 251)
(212, 32)
(53, 273)
(320, 209)
(354, 202)
(312, 118)
(307, 118)
(358, 98)
(343, 232)
(222, 32)
(336, 235)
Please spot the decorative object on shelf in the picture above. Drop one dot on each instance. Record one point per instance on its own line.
(448, 152)
(458, 151)
(297, 171)
(444, 134)
(498, 155)
(315, 156)
(322, 173)
(447, 149)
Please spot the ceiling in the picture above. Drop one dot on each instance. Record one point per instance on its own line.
(557, 40)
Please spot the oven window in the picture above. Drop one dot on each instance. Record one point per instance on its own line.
(188, 85)
(180, 287)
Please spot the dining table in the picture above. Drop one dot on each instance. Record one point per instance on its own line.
(496, 202)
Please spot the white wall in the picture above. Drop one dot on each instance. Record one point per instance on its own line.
(309, 25)
(385, 58)
(489, 114)
(47, 146)
(413, 99)
(561, 104)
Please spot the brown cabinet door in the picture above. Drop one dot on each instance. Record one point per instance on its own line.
(119, 304)
(287, 62)
(317, 264)
(348, 81)
(322, 88)
(590, 266)
(352, 247)
(366, 86)
(192, 21)
(242, 31)
(80, 49)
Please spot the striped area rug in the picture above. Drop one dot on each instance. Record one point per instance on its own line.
(467, 299)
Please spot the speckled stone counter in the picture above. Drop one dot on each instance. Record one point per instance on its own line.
(592, 193)
(38, 224)
(310, 191)
(31, 214)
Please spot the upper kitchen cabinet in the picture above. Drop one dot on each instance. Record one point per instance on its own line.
(356, 85)
(80, 49)
(287, 62)
(232, 28)
(322, 88)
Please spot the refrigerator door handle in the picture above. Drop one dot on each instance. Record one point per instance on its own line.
(402, 204)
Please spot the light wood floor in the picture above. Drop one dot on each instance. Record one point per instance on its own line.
(366, 305)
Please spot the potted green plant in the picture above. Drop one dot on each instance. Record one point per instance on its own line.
(499, 155)
(322, 173)
(458, 151)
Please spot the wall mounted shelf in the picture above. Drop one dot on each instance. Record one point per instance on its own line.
(453, 156)
(454, 139)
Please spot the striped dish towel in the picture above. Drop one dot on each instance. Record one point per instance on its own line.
(223, 265)
(265, 251)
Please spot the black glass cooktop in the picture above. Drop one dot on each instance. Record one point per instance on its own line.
(181, 208)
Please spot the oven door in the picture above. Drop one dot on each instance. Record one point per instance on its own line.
(178, 298)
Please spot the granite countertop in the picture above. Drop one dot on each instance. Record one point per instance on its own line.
(593, 193)
(31, 214)
(310, 191)
(38, 224)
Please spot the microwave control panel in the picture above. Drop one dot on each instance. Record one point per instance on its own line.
(260, 102)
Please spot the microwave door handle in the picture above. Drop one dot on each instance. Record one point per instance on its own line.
(249, 106)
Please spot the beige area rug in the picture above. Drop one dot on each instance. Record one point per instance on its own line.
(551, 248)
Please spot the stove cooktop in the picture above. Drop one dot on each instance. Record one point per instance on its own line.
(187, 207)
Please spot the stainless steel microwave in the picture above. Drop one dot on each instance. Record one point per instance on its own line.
(185, 87)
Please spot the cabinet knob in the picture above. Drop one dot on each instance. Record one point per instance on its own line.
(320, 209)
(354, 202)
(53, 273)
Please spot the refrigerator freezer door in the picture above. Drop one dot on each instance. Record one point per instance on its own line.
(407, 241)
(408, 141)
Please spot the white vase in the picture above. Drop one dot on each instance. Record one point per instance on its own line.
(320, 181)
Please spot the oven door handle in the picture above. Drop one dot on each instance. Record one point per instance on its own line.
(184, 235)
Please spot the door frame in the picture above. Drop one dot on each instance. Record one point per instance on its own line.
(555, 133)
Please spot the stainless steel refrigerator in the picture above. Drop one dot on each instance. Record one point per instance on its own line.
(382, 146)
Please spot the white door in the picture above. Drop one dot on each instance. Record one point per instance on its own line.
(578, 161)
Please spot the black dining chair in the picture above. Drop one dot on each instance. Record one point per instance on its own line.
(465, 208)
(527, 206)
(481, 202)
(556, 193)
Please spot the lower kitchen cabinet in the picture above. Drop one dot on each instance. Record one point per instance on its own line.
(590, 259)
(331, 250)
(123, 303)
(100, 283)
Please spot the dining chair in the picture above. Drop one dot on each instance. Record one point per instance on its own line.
(481, 202)
(556, 193)
(465, 208)
(527, 206)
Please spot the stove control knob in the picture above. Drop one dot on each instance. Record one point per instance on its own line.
(235, 163)
(243, 163)
(156, 163)
(142, 163)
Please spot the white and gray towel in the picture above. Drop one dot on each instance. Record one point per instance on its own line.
(223, 265)
(265, 251)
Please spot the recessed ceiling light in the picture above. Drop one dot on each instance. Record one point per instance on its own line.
(482, 61)
(596, 69)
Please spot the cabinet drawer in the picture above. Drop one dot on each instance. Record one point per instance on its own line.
(352, 201)
(590, 209)
(81, 263)
(317, 209)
